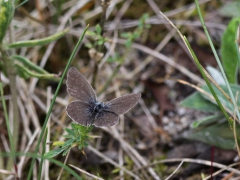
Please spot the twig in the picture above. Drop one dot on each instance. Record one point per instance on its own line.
(174, 171)
(65, 161)
(111, 161)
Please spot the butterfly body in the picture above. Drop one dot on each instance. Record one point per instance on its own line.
(97, 109)
(86, 110)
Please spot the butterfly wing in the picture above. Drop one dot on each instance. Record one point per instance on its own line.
(106, 119)
(123, 104)
(78, 87)
(79, 112)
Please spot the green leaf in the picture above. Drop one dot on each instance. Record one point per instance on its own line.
(128, 43)
(216, 75)
(58, 143)
(136, 35)
(225, 102)
(91, 33)
(116, 170)
(229, 51)
(196, 101)
(89, 45)
(7, 9)
(38, 42)
(68, 143)
(69, 136)
(98, 29)
(231, 9)
(145, 16)
(22, 73)
(54, 153)
(125, 35)
(115, 58)
(206, 121)
(70, 131)
(66, 151)
(26, 73)
(29, 64)
(100, 42)
(85, 144)
(147, 26)
(219, 135)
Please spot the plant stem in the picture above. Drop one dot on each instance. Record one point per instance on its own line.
(105, 4)
(53, 101)
(13, 88)
(110, 79)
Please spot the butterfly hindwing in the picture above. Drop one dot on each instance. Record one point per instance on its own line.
(106, 119)
(79, 112)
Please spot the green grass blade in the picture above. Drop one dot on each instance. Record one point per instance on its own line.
(35, 156)
(10, 136)
(217, 59)
(53, 101)
(38, 42)
(207, 81)
(43, 152)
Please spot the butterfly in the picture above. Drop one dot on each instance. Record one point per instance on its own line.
(87, 110)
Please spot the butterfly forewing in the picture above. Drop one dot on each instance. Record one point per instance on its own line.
(78, 111)
(123, 104)
(106, 119)
(78, 87)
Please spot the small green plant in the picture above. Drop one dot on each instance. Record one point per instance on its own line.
(132, 36)
(77, 136)
(229, 48)
(97, 38)
(215, 129)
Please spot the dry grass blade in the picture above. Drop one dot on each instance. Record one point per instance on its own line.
(7, 172)
(148, 114)
(199, 161)
(65, 161)
(175, 170)
(165, 59)
(221, 170)
(149, 59)
(30, 143)
(85, 172)
(112, 162)
(45, 173)
(128, 148)
(235, 128)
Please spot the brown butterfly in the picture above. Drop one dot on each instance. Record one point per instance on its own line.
(87, 110)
